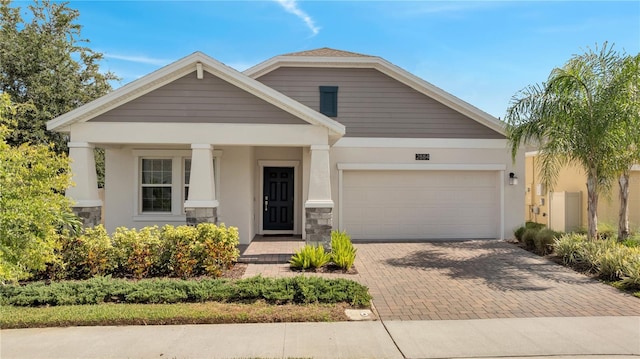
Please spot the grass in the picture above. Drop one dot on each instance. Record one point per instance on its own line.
(162, 314)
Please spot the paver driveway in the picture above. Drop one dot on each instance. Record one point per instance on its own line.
(479, 279)
(458, 280)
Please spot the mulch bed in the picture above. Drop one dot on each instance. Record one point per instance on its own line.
(235, 272)
(329, 268)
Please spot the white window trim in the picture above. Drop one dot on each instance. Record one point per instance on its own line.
(177, 213)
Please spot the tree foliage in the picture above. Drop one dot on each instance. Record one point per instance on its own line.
(46, 68)
(33, 208)
(576, 117)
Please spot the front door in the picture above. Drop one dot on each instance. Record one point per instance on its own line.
(278, 199)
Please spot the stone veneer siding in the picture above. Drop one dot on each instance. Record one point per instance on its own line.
(90, 216)
(318, 226)
(201, 215)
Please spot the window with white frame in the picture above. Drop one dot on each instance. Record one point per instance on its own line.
(163, 178)
(156, 185)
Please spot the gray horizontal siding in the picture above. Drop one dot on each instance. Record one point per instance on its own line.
(372, 104)
(210, 100)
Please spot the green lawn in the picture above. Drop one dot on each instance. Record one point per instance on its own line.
(179, 313)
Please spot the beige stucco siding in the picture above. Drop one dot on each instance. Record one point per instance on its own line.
(571, 178)
(210, 100)
(237, 175)
(372, 104)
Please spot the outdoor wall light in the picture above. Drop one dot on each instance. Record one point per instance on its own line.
(513, 180)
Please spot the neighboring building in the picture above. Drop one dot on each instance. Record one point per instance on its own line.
(299, 144)
(564, 207)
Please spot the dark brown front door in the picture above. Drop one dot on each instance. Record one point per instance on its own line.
(277, 201)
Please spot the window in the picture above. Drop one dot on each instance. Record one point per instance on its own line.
(329, 100)
(163, 178)
(156, 185)
(187, 177)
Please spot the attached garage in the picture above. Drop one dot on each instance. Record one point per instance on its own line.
(421, 203)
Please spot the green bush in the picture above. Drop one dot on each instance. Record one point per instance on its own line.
(544, 240)
(343, 253)
(183, 251)
(136, 251)
(297, 290)
(529, 238)
(33, 208)
(630, 276)
(90, 254)
(608, 259)
(519, 232)
(310, 257)
(568, 247)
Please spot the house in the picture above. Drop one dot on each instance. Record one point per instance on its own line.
(564, 207)
(299, 144)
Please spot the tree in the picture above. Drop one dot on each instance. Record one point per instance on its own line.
(625, 106)
(45, 68)
(572, 120)
(33, 208)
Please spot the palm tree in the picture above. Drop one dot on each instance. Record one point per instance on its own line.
(624, 99)
(569, 118)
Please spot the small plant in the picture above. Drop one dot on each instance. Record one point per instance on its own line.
(310, 257)
(529, 238)
(343, 253)
(544, 239)
(569, 248)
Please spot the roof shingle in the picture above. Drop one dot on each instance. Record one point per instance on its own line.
(326, 52)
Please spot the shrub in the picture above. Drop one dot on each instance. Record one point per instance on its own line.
(87, 255)
(310, 257)
(343, 253)
(569, 248)
(220, 247)
(181, 251)
(631, 273)
(529, 237)
(607, 231)
(136, 251)
(298, 290)
(33, 207)
(519, 232)
(544, 239)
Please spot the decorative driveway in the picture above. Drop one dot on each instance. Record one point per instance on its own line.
(460, 280)
(479, 279)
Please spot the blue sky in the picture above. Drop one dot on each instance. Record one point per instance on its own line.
(482, 52)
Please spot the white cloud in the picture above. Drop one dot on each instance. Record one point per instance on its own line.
(291, 6)
(138, 59)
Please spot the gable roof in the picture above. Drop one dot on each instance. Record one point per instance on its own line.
(326, 57)
(180, 68)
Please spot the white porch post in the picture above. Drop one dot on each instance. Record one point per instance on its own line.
(86, 201)
(319, 205)
(202, 205)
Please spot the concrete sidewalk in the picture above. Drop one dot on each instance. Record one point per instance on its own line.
(576, 337)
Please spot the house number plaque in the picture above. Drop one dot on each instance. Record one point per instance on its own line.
(422, 157)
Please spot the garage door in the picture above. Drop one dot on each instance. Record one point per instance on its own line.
(421, 204)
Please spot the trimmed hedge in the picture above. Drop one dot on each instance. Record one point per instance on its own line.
(296, 290)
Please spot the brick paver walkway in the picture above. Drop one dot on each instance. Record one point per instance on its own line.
(479, 279)
(459, 280)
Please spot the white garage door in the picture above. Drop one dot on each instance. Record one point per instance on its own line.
(421, 204)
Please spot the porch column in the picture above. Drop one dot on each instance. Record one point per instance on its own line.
(202, 205)
(86, 201)
(319, 205)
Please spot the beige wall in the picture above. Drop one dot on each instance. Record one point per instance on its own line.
(572, 179)
(236, 191)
